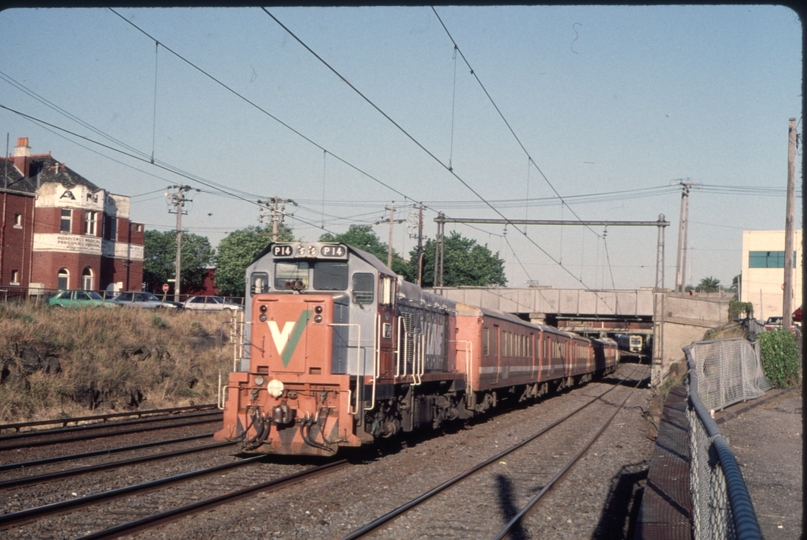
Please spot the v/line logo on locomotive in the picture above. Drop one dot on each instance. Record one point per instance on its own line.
(340, 351)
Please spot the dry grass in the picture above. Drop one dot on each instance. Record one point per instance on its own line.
(83, 361)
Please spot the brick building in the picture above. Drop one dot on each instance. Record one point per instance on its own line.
(61, 231)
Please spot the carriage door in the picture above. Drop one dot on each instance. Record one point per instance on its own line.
(497, 350)
(386, 326)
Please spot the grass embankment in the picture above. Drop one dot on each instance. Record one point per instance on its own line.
(70, 362)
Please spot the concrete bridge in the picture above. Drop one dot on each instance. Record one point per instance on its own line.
(667, 319)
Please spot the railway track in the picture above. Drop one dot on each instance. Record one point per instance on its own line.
(139, 507)
(146, 490)
(524, 468)
(45, 437)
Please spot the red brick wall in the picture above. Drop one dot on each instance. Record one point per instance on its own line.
(17, 241)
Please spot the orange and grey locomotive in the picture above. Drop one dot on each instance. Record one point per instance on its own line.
(341, 351)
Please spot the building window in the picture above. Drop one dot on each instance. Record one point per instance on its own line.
(63, 279)
(86, 279)
(18, 221)
(112, 228)
(67, 220)
(768, 259)
(90, 219)
(15, 277)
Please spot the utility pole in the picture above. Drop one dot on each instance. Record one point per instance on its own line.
(177, 201)
(683, 225)
(420, 246)
(277, 207)
(439, 250)
(391, 220)
(787, 303)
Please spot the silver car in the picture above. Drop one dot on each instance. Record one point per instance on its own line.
(210, 303)
(144, 300)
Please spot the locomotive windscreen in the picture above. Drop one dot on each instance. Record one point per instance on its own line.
(327, 275)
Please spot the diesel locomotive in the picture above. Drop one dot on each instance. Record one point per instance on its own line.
(340, 351)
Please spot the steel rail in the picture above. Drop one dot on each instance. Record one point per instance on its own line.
(15, 519)
(174, 514)
(83, 455)
(370, 527)
(69, 473)
(101, 425)
(140, 414)
(523, 512)
(89, 436)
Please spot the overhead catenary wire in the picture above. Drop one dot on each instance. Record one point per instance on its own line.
(426, 150)
(501, 115)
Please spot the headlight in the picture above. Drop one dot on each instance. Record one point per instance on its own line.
(275, 388)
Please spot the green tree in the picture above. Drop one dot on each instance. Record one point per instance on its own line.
(464, 263)
(236, 251)
(160, 251)
(363, 237)
(708, 284)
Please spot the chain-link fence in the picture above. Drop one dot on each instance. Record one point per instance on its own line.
(720, 373)
(728, 370)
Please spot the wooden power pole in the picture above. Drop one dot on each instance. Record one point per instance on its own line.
(787, 287)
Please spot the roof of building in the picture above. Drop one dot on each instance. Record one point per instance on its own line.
(44, 169)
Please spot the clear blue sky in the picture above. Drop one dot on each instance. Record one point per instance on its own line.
(621, 101)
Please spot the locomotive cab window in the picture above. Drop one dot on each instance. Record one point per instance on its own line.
(363, 288)
(259, 283)
(291, 275)
(330, 275)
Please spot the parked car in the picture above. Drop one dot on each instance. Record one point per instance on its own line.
(78, 298)
(797, 315)
(773, 323)
(144, 300)
(211, 303)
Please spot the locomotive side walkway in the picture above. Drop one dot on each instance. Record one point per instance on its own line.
(766, 438)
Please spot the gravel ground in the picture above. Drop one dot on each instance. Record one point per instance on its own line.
(598, 498)
(768, 443)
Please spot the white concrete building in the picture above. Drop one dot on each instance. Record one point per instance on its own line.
(763, 273)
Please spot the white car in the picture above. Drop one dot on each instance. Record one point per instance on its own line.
(144, 300)
(210, 303)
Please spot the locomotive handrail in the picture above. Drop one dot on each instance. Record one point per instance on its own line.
(376, 358)
(359, 379)
(420, 368)
(401, 335)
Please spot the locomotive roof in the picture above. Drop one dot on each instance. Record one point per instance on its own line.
(374, 261)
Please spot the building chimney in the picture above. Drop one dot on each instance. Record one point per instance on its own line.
(22, 156)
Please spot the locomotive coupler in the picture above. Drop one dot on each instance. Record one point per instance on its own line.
(282, 414)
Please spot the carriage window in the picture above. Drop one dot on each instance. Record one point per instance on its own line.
(485, 341)
(291, 275)
(259, 283)
(330, 275)
(363, 288)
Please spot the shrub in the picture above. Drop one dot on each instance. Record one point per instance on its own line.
(780, 358)
(736, 308)
(108, 359)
